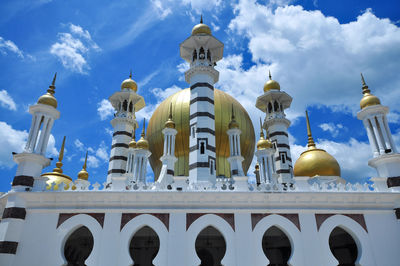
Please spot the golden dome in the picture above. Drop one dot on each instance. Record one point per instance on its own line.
(48, 98)
(263, 143)
(201, 28)
(129, 83)
(271, 84)
(222, 103)
(83, 174)
(133, 143)
(315, 162)
(57, 175)
(368, 99)
(142, 142)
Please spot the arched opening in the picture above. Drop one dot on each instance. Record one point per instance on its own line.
(144, 246)
(130, 107)
(343, 247)
(269, 107)
(202, 148)
(78, 246)
(125, 106)
(276, 247)
(210, 247)
(202, 53)
(276, 106)
(208, 55)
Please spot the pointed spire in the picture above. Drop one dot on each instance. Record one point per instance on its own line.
(233, 113)
(170, 123)
(311, 143)
(130, 74)
(52, 87)
(201, 19)
(364, 85)
(233, 123)
(261, 129)
(59, 164)
(143, 129)
(83, 174)
(170, 111)
(269, 74)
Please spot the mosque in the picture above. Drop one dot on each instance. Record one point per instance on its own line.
(201, 208)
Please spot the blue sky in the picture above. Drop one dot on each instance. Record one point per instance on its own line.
(315, 49)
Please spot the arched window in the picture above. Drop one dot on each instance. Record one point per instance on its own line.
(78, 246)
(210, 247)
(343, 247)
(202, 148)
(125, 105)
(276, 247)
(194, 54)
(208, 55)
(144, 247)
(269, 107)
(201, 53)
(130, 107)
(276, 106)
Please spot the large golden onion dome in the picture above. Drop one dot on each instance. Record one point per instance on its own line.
(57, 175)
(48, 98)
(315, 162)
(180, 102)
(271, 84)
(201, 28)
(129, 84)
(368, 99)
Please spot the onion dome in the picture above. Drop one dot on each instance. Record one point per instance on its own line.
(233, 123)
(170, 123)
(257, 166)
(83, 174)
(271, 84)
(181, 115)
(48, 98)
(129, 84)
(143, 143)
(263, 143)
(133, 144)
(368, 99)
(201, 28)
(315, 162)
(57, 175)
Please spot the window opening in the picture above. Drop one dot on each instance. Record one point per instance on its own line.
(194, 55)
(343, 247)
(276, 247)
(202, 53)
(144, 247)
(269, 107)
(78, 247)
(130, 107)
(210, 247)
(283, 158)
(276, 106)
(202, 148)
(125, 105)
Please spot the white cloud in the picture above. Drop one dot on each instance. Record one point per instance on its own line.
(204, 5)
(102, 152)
(51, 147)
(73, 47)
(6, 101)
(7, 46)
(78, 144)
(96, 157)
(105, 109)
(332, 128)
(11, 140)
(316, 59)
(92, 161)
(162, 11)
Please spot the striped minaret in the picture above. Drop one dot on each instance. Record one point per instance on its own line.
(168, 159)
(274, 102)
(202, 51)
(125, 102)
(30, 165)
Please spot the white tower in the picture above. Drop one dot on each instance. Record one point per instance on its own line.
(235, 159)
(265, 159)
(140, 158)
(202, 50)
(274, 102)
(168, 159)
(125, 102)
(32, 160)
(386, 160)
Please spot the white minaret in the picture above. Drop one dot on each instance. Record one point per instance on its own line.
(235, 159)
(386, 159)
(32, 160)
(125, 102)
(265, 159)
(274, 102)
(168, 159)
(140, 158)
(202, 51)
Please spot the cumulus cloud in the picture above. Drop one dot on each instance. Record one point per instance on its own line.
(105, 109)
(332, 128)
(7, 101)
(162, 11)
(73, 47)
(96, 156)
(316, 59)
(7, 46)
(11, 140)
(203, 5)
(78, 144)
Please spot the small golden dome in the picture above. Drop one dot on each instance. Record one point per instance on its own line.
(257, 166)
(233, 123)
(368, 99)
(48, 98)
(201, 28)
(129, 83)
(263, 143)
(142, 142)
(83, 174)
(271, 84)
(133, 144)
(315, 162)
(170, 123)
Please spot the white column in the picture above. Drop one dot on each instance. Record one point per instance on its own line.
(386, 125)
(371, 138)
(384, 133)
(31, 130)
(47, 136)
(35, 132)
(270, 169)
(378, 137)
(42, 133)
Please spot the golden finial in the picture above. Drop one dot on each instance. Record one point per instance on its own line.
(201, 19)
(262, 142)
(144, 125)
(53, 85)
(143, 143)
(170, 123)
(130, 74)
(83, 174)
(261, 129)
(132, 144)
(269, 72)
(59, 164)
(233, 123)
(311, 142)
(364, 85)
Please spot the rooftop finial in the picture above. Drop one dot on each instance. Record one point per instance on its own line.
(364, 85)
(233, 113)
(83, 174)
(311, 142)
(201, 19)
(85, 163)
(53, 85)
(130, 74)
(144, 125)
(60, 158)
(269, 72)
(261, 129)
(170, 111)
